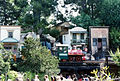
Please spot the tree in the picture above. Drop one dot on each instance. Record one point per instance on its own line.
(53, 32)
(37, 13)
(116, 56)
(114, 38)
(84, 20)
(109, 13)
(89, 7)
(10, 11)
(5, 57)
(38, 59)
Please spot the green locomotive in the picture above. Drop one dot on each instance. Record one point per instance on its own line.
(70, 55)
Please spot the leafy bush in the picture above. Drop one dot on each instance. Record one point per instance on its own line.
(2, 77)
(114, 38)
(116, 56)
(103, 76)
(53, 32)
(12, 75)
(37, 58)
(29, 75)
(5, 57)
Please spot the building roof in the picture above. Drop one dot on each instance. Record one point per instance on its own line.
(47, 36)
(10, 40)
(98, 26)
(78, 30)
(65, 24)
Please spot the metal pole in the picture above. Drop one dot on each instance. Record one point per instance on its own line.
(5, 76)
(107, 62)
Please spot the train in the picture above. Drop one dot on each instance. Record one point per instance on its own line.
(65, 54)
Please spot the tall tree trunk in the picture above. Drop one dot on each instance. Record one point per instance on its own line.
(4, 12)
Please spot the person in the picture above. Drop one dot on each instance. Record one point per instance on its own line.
(0, 78)
(46, 78)
(36, 78)
(53, 78)
(28, 79)
(74, 77)
(80, 78)
(58, 78)
(85, 78)
(9, 80)
(63, 78)
(69, 78)
(32, 80)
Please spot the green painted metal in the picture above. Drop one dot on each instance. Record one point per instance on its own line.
(10, 40)
(62, 52)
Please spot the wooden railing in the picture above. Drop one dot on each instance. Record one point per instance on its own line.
(78, 41)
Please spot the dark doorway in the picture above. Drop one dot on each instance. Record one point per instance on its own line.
(99, 44)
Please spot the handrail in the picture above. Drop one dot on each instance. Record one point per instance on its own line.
(78, 40)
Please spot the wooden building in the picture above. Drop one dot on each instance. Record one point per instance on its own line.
(99, 41)
(10, 37)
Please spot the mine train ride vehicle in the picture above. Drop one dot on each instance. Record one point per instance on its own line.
(71, 55)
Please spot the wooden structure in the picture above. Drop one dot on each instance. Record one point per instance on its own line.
(99, 41)
(63, 28)
(85, 67)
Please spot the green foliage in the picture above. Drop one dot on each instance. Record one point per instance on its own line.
(115, 38)
(84, 20)
(11, 11)
(29, 75)
(103, 76)
(90, 7)
(116, 56)
(12, 75)
(109, 13)
(2, 77)
(5, 57)
(53, 32)
(38, 59)
(36, 14)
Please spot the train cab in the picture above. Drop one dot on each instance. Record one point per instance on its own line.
(70, 55)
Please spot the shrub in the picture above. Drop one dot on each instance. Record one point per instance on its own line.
(12, 75)
(103, 76)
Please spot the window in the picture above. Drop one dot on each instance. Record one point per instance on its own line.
(94, 41)
(10, 34)
(82, 35)
(74, 36)
(104, 42)
(8, 48)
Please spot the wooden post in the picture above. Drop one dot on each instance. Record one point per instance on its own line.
(107, 62)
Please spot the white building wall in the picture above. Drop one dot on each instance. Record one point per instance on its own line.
(67, 40)
(16, 34)
(5, 29)
(4, 34)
